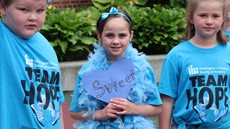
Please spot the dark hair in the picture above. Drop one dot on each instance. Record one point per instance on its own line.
(101, 23)
(190, 29)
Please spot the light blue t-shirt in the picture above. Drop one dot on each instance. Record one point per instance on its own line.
(30, 82)
(198, 80)
(227, 33)
(144, 91)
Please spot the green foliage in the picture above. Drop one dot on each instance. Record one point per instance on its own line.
(70, 33)
(158, 28)
(178, 3)
(106, 4)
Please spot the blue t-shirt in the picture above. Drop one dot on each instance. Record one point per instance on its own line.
(144, 91)
(30, 82)
(227, 33)
(198, 80)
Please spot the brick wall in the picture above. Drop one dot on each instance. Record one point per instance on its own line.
(62, 4)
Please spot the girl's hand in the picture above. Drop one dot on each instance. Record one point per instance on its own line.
(124, 106)
(106, 113)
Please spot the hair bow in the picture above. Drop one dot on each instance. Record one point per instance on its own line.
(113, 11)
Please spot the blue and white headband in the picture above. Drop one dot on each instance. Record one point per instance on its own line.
(113, 11)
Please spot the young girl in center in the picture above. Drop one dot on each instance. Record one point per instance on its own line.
(195, 83)
(114, 32)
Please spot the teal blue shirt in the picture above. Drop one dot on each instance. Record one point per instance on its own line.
(30, 82)
(198, 80)
(144, 91)
(227, 33)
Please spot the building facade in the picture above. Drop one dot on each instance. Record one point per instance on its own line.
(62, 4)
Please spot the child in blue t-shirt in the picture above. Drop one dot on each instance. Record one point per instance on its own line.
(194, 84)
(114, 31)
(30, 78)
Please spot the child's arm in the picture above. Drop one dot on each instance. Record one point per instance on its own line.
(126, 107)
(108, 112)
(165, 116)
(79, 115)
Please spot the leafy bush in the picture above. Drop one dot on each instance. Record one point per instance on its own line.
(70, 33)
(179, 3)
(156, 30)
(106, 4)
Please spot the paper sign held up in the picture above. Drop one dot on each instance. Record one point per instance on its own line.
(116, 82)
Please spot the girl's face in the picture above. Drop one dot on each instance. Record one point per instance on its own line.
(115, 38)
(208, 19)
(25, 17)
